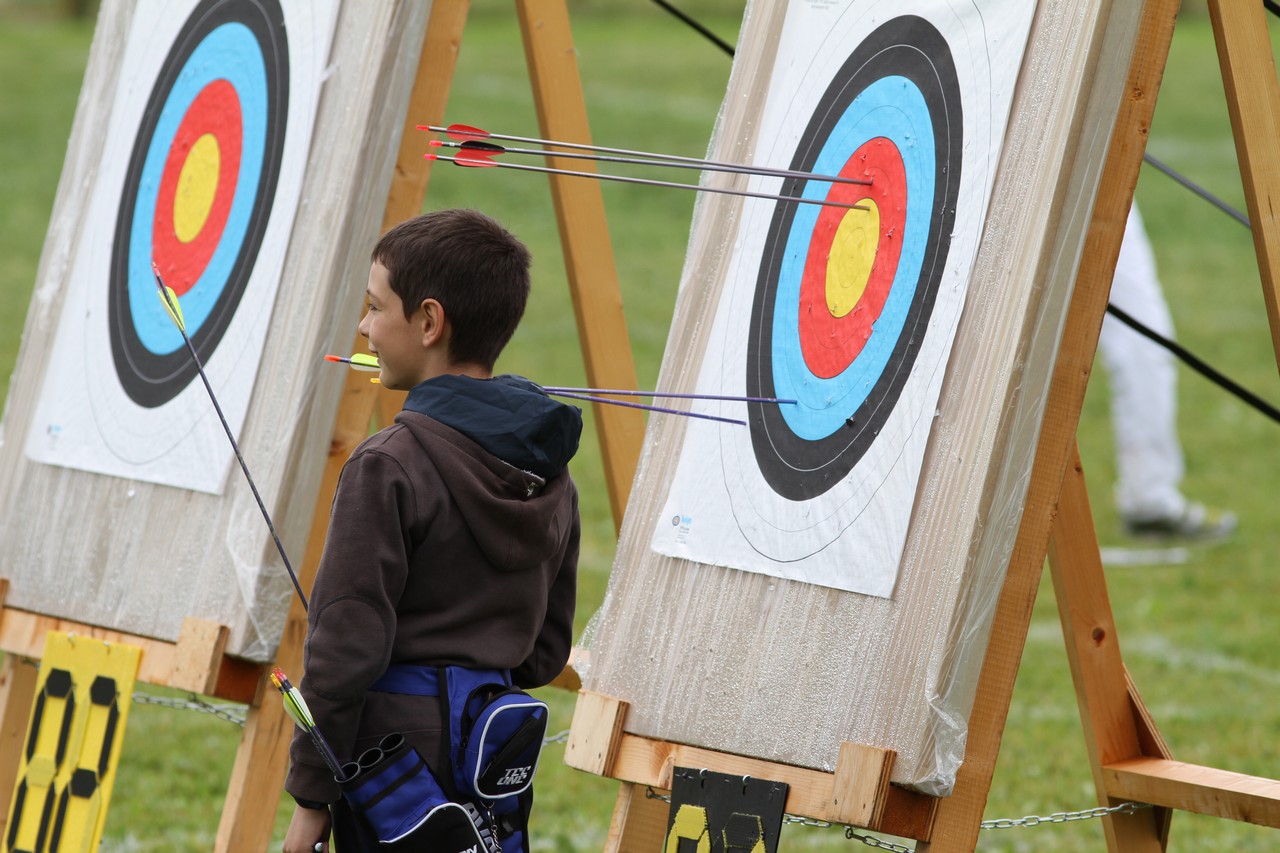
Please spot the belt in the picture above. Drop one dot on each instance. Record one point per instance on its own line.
(413, 680)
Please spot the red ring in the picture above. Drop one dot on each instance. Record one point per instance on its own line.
(215, 111)
(828, 343)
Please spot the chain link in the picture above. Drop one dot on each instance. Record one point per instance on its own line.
(1064, 817)
(997, 823)
(872, 841)
(229, 712)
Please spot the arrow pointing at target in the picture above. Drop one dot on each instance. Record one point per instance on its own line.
(642, 158)
(482, 159)
(464, 133)
(363, 361)
(170, 301)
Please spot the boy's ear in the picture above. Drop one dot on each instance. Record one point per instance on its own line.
(432, 323)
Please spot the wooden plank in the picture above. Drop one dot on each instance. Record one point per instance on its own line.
(22, 633)
(257, 776)
(18, 679)
(1192, 788)
(644, 761)
(1108, 709)
(438, 60)
(198, 656)
(861, 785)
(595, 732)
(584, 240)
(639, 822)
(1253, 102)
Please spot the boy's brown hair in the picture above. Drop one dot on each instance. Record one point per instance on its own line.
(476, 269)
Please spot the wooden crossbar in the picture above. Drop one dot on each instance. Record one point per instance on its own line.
(196, 662)
(1194, 788)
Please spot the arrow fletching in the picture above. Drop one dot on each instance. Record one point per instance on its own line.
(294, 704)
(490, 148)
(296, 707)
(467, 158)
(466, 131)
(457, 131)
(358, 361)
(169, 300)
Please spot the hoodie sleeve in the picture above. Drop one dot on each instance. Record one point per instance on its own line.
(352, 614)
(551, 648)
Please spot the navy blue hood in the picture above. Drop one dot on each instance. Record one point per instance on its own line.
(508, 416)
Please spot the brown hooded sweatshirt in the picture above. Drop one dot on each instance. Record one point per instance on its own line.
(440, 552)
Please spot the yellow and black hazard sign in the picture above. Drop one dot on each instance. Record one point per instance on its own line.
(72, 746)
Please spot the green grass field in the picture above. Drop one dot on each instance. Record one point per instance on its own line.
(1199, 637)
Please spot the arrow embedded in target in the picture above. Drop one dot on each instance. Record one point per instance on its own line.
(478, 159)
(364, 361)
(642, 158)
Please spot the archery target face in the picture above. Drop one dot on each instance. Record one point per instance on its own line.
(848, 312)
(201, 172)
(198, 192)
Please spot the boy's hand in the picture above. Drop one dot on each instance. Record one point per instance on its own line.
(308, 831)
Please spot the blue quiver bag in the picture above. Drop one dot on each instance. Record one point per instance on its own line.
(496, 732)
(394, 791)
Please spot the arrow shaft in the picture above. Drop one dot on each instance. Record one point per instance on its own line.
(262, 507)
(623, 393)
(594, 399)
(579, 146)
(471, 163)
(672, 162)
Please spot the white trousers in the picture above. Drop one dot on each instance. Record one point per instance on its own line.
(1143, 379)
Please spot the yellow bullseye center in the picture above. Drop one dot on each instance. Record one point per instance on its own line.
(853, 252)
(197, 186)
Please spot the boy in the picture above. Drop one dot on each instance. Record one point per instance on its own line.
(453, 538)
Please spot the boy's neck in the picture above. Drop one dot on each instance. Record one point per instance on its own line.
(474, 371)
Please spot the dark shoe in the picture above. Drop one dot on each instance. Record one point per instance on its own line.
(1197, 522)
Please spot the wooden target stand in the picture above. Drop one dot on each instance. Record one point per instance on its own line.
(197, 662)
(1128, 757)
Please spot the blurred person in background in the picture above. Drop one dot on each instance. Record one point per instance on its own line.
(1144, 404)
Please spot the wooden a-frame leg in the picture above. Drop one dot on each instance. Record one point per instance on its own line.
(18, 678)
(584, 240)
(1114, 726)
(639, 822)
(1253, 101)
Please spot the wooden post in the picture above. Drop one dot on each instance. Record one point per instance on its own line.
(639, 823)
(17, 691)
(1112, 728)
(18, 678)
(584, 238)
(253, 795)
(1253, 101)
